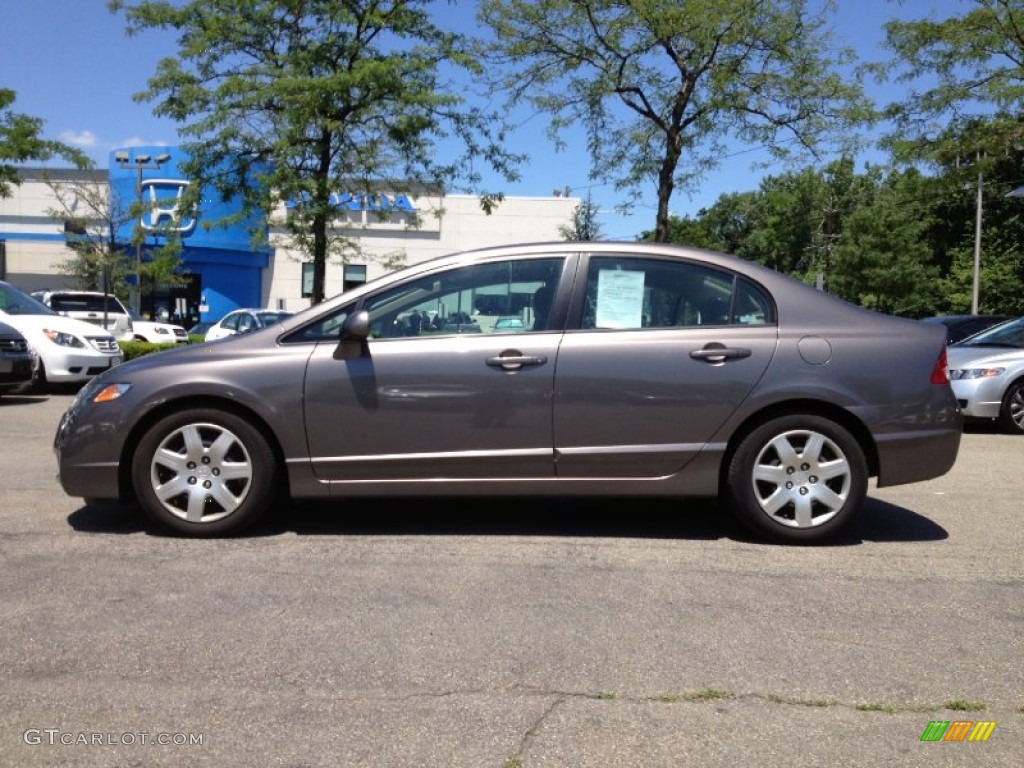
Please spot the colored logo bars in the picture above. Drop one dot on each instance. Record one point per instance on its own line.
(958, 730)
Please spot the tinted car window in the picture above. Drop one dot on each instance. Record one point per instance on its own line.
(468, 300)
(15, 302)
(631, 293)
(85, 303)
(269, 318)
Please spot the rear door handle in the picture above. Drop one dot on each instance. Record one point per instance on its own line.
(719, 353)
(513, 361)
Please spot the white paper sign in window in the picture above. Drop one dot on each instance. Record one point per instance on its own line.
(620, 298)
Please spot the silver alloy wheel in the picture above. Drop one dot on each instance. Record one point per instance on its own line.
(201, 472)
(801, 479)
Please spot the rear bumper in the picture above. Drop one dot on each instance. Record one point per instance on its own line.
(909, 457)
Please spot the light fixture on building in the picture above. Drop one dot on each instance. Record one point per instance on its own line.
(140, 163)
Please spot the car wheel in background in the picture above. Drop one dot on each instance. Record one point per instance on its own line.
(204, 472)
(797, 478)
(1011, 413)
(39, 375)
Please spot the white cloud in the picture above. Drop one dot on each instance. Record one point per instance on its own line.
(138, 141)
(78, 138)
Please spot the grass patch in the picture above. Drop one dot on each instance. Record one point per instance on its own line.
(961, 705)
(894, 709)
(605, 695)
(512, 762)
(709, 694)
(801, 702)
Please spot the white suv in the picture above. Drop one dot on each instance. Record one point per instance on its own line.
(104, 310)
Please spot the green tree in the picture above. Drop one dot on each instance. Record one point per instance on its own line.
(585, 225)
(316, 97)
(21, 142)
(662, 86)
(882, 260)
(968, 64)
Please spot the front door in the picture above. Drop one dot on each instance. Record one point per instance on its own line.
(442, 391)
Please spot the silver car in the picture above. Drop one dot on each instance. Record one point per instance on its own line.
(987, 372)
(643, 370)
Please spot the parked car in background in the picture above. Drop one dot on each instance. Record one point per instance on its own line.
(157, 332)
(15, 359)
(960, 327)
(244, 321)
(509, 325)
(104, 310)
(64, 349)
(987, 374)
(784, 406)
(200, 329)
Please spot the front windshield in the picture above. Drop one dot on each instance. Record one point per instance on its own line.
(15, 302)
(1009, 334)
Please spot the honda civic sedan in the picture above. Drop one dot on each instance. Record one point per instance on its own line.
(638, 370)
(988, 375)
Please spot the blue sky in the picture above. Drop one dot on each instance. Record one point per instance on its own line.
(72, 65)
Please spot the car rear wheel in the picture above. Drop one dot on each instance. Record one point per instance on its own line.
(797, 478)
(204, 472)
(1011, 413)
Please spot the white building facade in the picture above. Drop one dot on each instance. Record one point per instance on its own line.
(223, 271)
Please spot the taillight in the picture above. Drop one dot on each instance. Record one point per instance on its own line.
(940, 373)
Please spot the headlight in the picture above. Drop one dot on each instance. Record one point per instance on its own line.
(975, 373)
(63, 339)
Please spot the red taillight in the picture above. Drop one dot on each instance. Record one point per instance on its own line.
(940, 373)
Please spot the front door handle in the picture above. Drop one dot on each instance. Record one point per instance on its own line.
(513, 360)
(719, 353)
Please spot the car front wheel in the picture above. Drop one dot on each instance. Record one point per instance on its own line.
(204, 472)
(1011, 413)
(797, 478)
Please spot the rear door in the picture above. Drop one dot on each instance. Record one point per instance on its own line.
(663, 352)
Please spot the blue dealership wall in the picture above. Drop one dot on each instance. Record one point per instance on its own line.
(222, 256)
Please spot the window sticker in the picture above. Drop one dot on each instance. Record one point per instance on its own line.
(620, 298)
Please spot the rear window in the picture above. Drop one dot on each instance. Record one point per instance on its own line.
(71, 303)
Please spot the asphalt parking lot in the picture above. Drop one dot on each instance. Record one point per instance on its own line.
(509, 634)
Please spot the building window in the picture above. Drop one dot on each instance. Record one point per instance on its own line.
(307, 279)
(354, 276)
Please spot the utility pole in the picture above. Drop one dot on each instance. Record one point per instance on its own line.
(975, 289)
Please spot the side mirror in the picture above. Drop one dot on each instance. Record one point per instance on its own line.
(356, 327)
(354, 334)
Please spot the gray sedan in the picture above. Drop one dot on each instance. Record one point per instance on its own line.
(988, 375)
(643, 370)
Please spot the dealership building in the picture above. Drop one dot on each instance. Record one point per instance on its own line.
(221, 267)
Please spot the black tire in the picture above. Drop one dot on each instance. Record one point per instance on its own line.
(204, 472)
(39, 376)
(797, 478)
(1011, 412)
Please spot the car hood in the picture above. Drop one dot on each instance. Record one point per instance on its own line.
(982, 356)
(33, 325)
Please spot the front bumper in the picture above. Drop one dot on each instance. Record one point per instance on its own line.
(65, 364)
(980, 398)
(87, 457)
